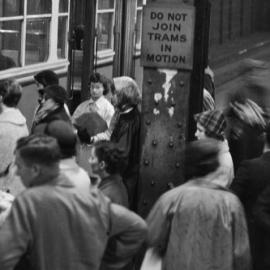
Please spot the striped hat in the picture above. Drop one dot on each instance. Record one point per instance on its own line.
(214, 123)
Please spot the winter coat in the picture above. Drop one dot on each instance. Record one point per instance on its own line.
(224, 174)
(199, 225)
(58, 114)
(113, 188)
(12, 127)
(126, 135)
(251, 179)
(56, 226)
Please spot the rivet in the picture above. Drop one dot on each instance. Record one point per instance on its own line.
(154, 142)
(149, 81)
(177, 165)
(144, 202)
(179, 124)
(171, 144)
(146, 162)
(148, 122)
(182, 83)
(153, 183)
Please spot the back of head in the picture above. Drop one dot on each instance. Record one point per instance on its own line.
(46, 78)
(11, 92)
(201, 158)
(38, 149)
(57, 93)
(127, 91)
(114, 158)
(65, 135)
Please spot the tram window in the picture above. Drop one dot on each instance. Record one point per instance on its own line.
(10, 40)
(105, 23)
(106, 4)
(63, 6)
(62, 37)
(140, 4)
(105, 31)
(37, 40)
(39, 6)
(11, 8)
(36, 34)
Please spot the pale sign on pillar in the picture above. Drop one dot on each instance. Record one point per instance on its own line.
(168, 36)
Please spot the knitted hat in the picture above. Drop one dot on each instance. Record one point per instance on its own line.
(214, 123)
(57, 93)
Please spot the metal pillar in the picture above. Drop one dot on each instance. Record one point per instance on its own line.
(168, 94)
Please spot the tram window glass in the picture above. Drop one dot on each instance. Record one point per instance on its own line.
(63, 6)
(105, 4)
(37, 40)
(140, 4)
(10, 40)
(36, 34)
(11, 8)
(62, 37)
(105, 23)
(39, 6)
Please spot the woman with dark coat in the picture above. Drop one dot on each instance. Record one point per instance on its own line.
(126, 132)
(52, 108)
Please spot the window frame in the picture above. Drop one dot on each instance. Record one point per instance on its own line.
(24, 72)
(139, 9)
(106, 55)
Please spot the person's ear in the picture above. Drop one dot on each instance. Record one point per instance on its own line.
(35, 170)
(102, 165)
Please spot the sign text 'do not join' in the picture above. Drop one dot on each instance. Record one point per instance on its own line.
(168, 36)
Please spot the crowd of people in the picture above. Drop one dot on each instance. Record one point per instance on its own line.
(69, 184)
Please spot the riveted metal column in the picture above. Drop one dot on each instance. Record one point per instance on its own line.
(167, 57)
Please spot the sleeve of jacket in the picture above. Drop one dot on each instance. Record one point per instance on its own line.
(240, 182)
(241, 249)
(15, 236)
(127, 234)
(261, 210)
(159, 223)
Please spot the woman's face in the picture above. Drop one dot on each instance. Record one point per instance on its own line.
(96, 90)
(200, 133)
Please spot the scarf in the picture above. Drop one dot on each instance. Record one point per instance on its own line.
(46, 108)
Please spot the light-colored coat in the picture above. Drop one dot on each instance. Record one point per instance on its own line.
(12, 127)
(199, 226)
